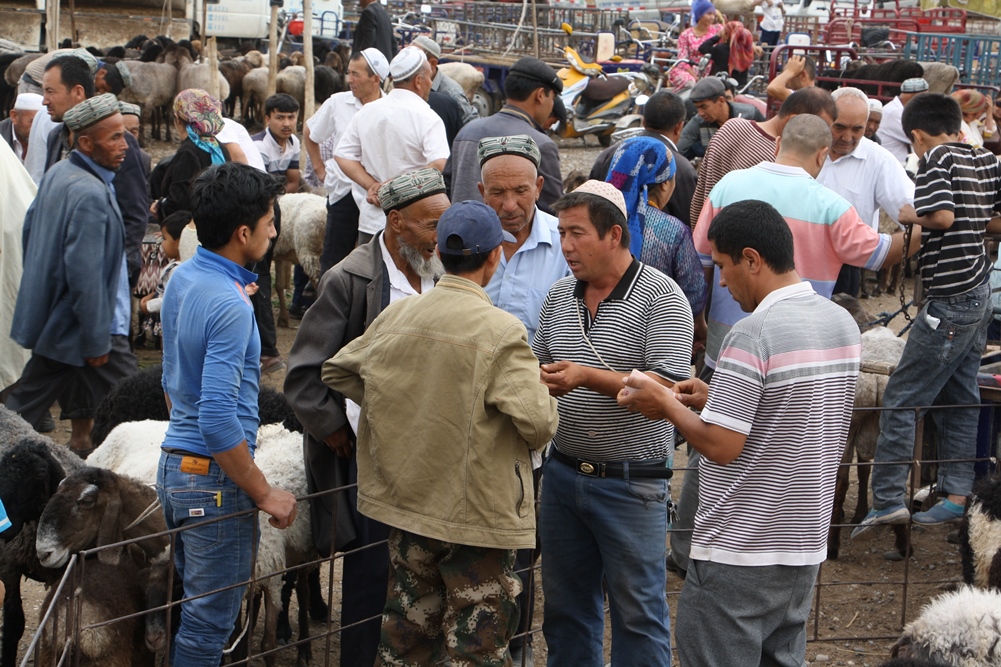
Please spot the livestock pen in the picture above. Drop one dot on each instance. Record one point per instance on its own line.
(858, 611)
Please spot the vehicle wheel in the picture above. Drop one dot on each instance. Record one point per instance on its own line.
(605, 140)
(483, 102)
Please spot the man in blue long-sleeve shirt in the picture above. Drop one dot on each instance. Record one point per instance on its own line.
(211, 375)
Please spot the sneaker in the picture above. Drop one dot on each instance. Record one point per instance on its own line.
(880, 517)
(944, 511)
(672, 566)
(521, 656)
(271, 364)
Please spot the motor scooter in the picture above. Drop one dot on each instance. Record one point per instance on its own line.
(599, 103)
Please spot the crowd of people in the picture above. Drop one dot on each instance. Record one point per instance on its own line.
(477, 330)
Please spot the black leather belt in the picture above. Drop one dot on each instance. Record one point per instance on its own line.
(184, 452)
(656, 469)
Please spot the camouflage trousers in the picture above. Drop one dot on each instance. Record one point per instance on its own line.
(448, 602)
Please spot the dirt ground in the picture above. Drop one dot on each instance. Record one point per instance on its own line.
(862, 600)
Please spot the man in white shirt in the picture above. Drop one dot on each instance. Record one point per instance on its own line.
(367, 70)
(396, 134)
(16, 129)
(864, 173)
(891, 131)
(772, 20)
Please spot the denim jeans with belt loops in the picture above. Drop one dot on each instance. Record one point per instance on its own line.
(939, 366)
(208, 557)
(616, 529)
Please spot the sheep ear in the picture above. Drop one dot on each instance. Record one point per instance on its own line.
(110, 531)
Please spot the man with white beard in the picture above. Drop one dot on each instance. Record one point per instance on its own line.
(396, 263)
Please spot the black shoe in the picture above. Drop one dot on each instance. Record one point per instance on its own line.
(46, 424)
(672, 566)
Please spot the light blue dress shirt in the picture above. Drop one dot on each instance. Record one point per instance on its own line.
(521, 283)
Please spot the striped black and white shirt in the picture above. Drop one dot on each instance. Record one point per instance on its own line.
(644, 323)
(785, 379)
(965, 180)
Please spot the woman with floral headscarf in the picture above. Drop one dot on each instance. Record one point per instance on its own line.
(198, 116)
(978, 119)
(643, 170)
(703, 27)
(732, 51)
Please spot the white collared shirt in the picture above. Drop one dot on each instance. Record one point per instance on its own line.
(330, 120)
(870, 178)
(18, 146)
(396, 134)
(235, 133)
(399, 288)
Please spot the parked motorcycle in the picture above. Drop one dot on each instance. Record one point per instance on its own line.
(598, 103)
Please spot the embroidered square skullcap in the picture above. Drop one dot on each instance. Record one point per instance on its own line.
(129, 109)
(519, 144)
(28, 102)
(536, 70)
(605, 191)
(475, 225)
(376, 62)
(915, 85)
(875, 106)
(91, 111)
(430, 46)
(410, 187)
(407, 62)
(125, 72)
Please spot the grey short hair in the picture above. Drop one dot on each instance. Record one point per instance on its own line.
(847, 92)
(805, 134)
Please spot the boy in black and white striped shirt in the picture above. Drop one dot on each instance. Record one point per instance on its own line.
(955, 196)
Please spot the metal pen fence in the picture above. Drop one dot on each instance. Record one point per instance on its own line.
(56, 641)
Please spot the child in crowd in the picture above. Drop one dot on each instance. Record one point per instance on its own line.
(170, 229)
(956, 192)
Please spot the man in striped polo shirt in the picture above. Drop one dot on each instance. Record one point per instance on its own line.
(773, 424)
(828, 233)
(957, 190)
(604, 500)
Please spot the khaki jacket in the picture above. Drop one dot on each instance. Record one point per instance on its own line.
(451, 405)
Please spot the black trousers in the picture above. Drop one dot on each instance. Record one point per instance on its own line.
(44, 380)
(261, 301)
(364, 585)
(849, 281)
(342, 232)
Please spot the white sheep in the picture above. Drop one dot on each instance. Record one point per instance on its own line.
(465, 75)
(880, 347)
(255, 91)
(940, 77)
(958, 629)
(192, 75)
(133, 448)
(153, 88)
(292, 81)
(304, 223)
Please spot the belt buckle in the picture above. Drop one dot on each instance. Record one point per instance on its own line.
(588, 468)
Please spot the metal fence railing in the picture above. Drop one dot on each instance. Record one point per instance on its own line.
(57, 639)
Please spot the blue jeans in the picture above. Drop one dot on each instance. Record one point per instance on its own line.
(616, 529)
(938, 366)
(208, 557)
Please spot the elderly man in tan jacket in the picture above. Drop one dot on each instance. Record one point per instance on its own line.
(451, 405)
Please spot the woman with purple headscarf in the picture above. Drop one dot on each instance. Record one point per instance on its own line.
(703, 26)
(643, 170)
(198, 117)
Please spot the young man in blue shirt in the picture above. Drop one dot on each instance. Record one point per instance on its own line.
(211, 375)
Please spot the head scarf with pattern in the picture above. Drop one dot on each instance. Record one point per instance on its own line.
(202, 114)
(971, 102)
(638, 163)
(741, 46)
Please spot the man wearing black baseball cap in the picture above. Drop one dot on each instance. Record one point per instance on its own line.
(454, 541)
(531, 88)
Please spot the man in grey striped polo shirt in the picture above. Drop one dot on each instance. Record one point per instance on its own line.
(774, 422)
(604, 500)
